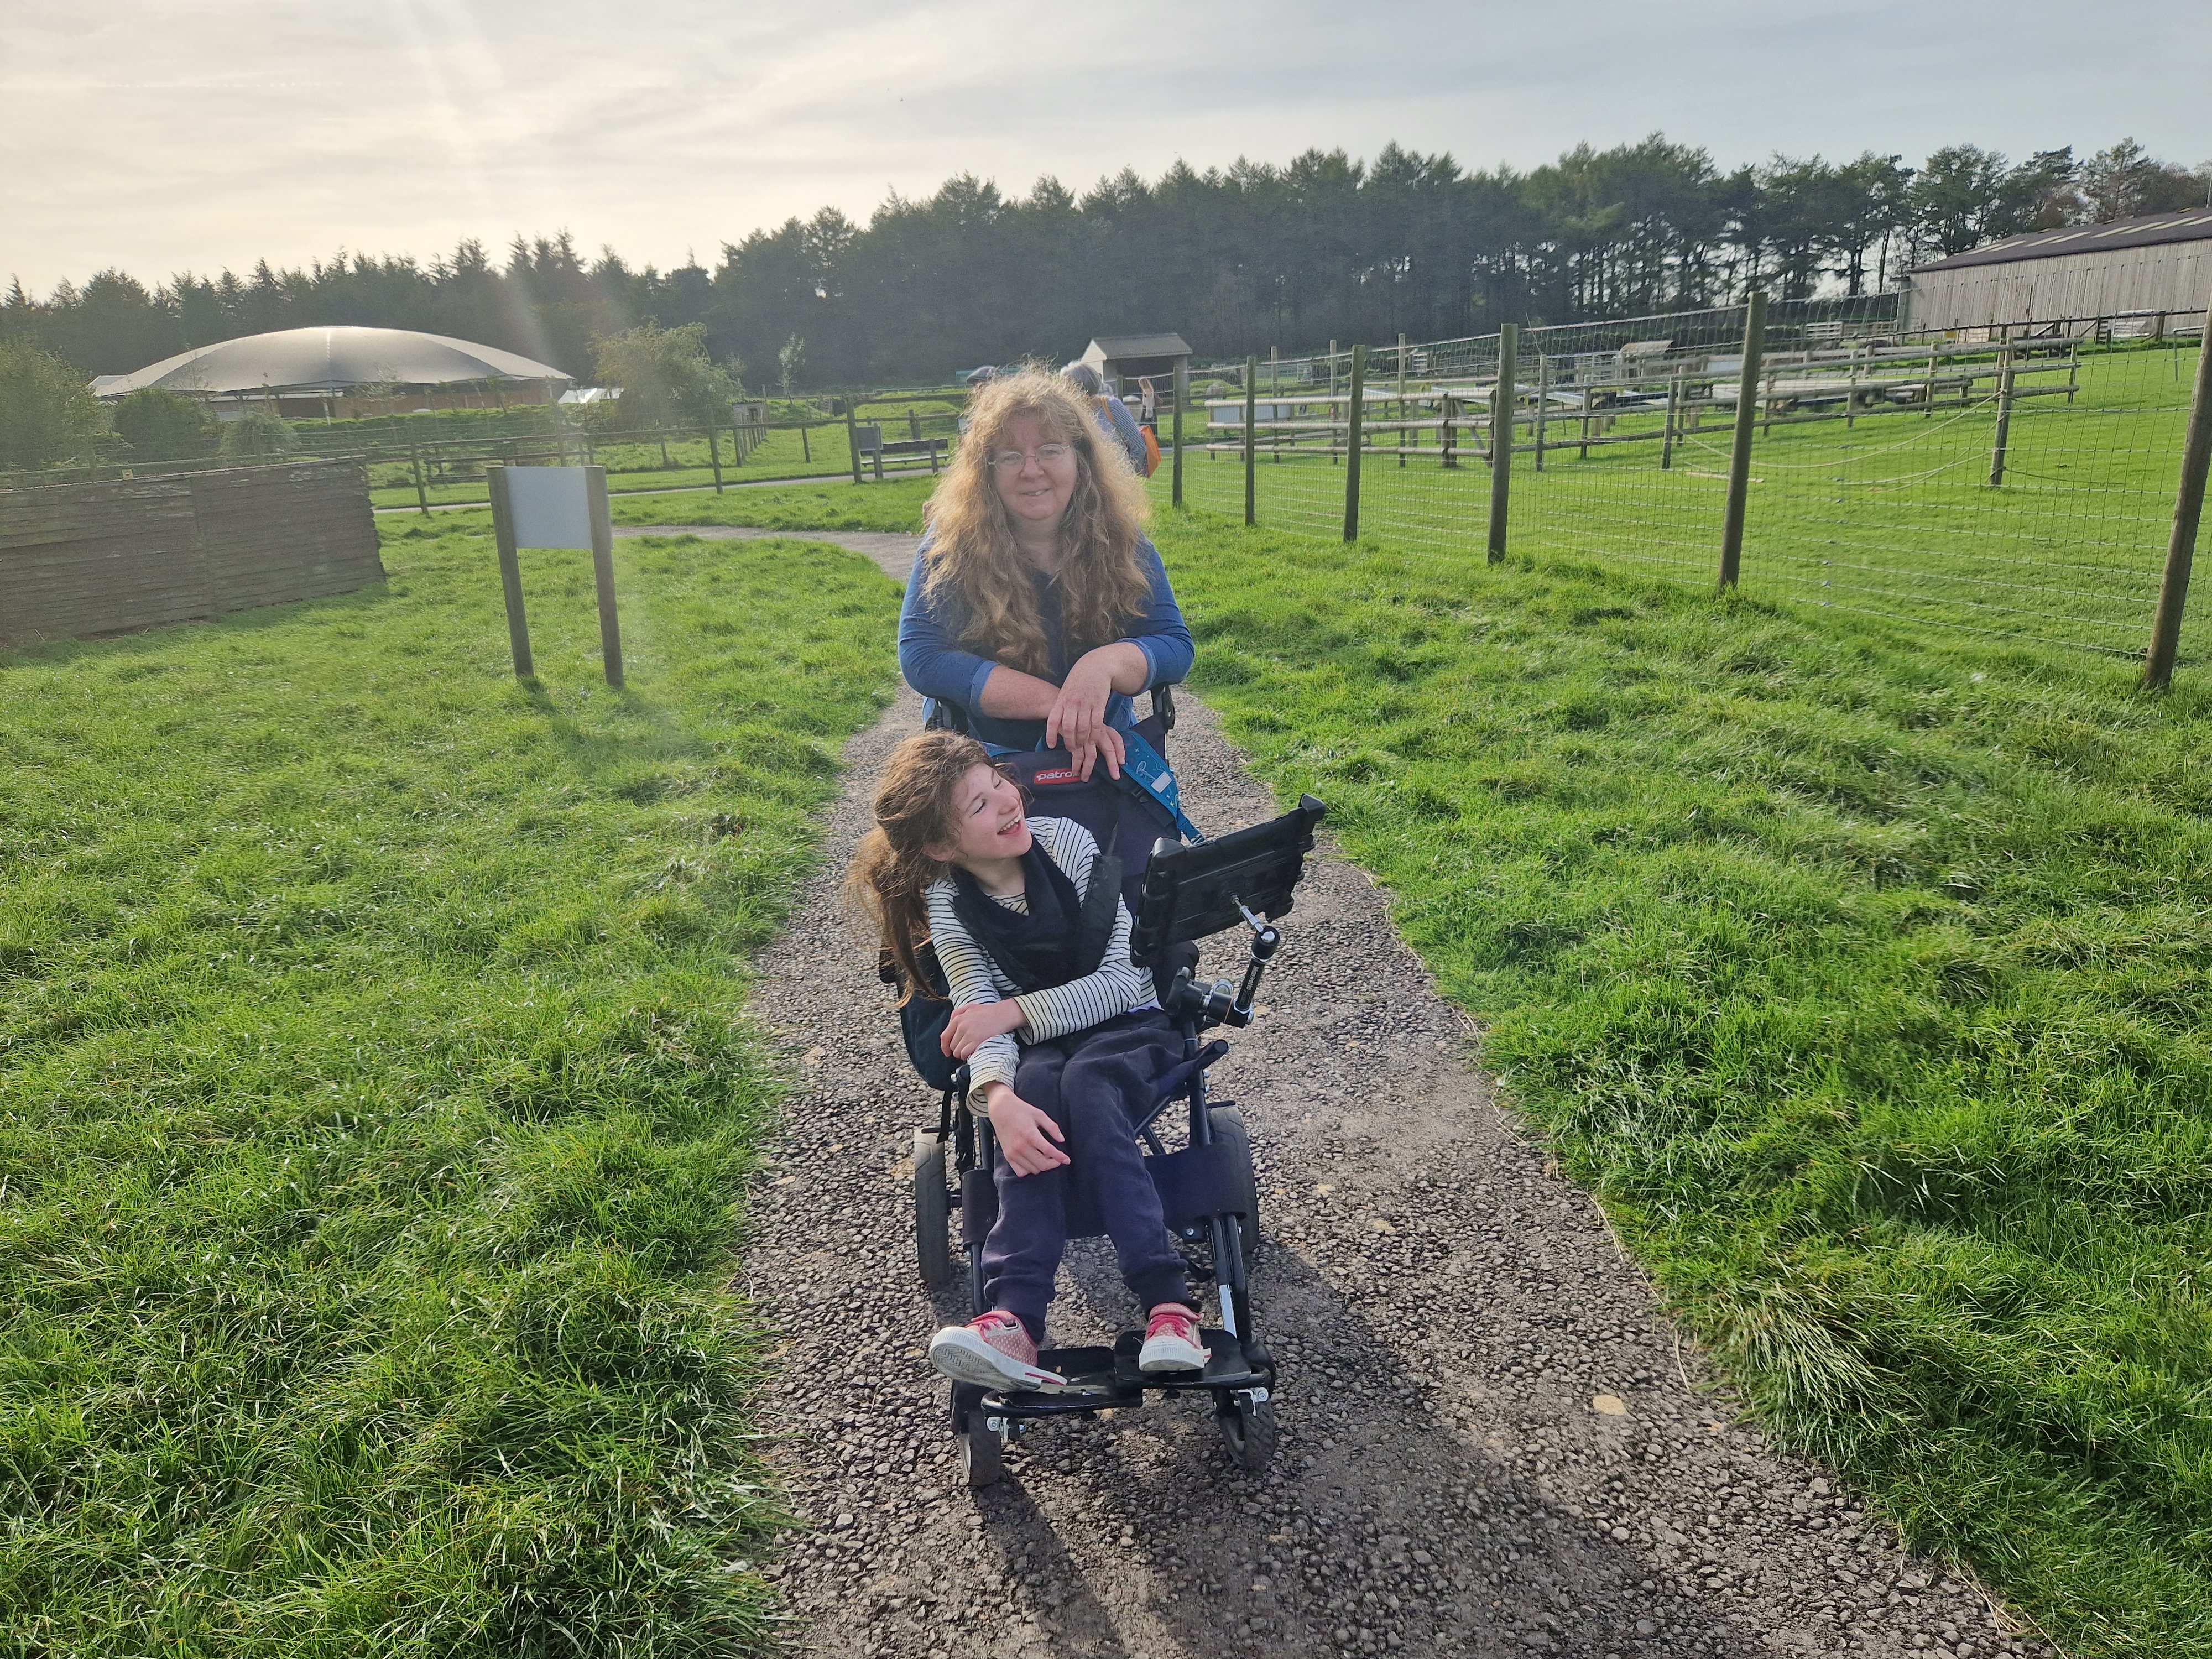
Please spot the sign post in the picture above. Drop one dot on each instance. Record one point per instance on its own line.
(555, 507)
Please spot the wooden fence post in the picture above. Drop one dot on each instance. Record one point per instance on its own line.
(805, 449)
(1667, 433)
(1181, 395)
(1355, 436)
(853, 435)
(603, 572)
(510, 571)
(1746, 415)
(714, 453)
(421, 495)
(1543, 399)
(1401, 400)
(2004, 419)
(1251, 438)
(2188, 510)
(1504, 411)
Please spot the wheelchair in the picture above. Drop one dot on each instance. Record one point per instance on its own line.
(1208, 1187)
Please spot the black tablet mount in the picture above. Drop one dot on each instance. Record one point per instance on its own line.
(1192, 891)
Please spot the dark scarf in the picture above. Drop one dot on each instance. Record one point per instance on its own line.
(1062, 937)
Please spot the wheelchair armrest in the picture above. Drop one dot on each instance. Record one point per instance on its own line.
(1163, 707)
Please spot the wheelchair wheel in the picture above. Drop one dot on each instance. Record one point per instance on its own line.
(982, 1452)
(1228, 1127)
(1249, 1431)
(933, 1209)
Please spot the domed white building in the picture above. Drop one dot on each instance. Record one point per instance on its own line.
(311, 369)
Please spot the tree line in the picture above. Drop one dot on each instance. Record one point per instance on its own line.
(1238, 259)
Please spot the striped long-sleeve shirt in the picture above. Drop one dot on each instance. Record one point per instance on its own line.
(1118, 986)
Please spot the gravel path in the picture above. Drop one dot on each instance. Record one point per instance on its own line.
(1493, 1442)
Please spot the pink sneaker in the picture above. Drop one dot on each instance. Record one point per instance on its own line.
(992, 1351)
(1171, 1340)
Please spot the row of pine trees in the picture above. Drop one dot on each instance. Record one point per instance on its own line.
(1238, 259)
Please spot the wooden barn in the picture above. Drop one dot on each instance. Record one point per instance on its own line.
(2156, 266)
(1122, 359)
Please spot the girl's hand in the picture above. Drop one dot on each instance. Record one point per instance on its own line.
(974, 1024)
(1078, 720)
(1022, 1129)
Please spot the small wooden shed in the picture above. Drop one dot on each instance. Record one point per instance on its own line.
(1122, 359)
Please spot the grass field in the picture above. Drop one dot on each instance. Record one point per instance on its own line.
(893, 505)
(1892, 516)
(679, 464)
(1864, 971)
(374, 1098)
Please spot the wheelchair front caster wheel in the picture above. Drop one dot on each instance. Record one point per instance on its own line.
(1250, 1431)
(932, 1208)
(982, 1451)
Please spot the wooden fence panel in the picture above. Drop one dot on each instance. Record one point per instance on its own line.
(99, 558)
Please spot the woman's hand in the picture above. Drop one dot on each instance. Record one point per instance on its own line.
(1022, 1129)
(976, 1023)
(1078, 720)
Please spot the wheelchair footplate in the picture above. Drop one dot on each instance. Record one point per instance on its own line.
(1102, 1377)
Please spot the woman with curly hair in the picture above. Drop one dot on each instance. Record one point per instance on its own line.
(1037, 607)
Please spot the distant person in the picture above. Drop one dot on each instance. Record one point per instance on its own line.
(1113, 416)
(1151, 401)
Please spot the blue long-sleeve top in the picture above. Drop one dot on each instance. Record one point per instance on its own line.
(931, 658)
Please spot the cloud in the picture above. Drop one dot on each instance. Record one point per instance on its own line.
(168, 135)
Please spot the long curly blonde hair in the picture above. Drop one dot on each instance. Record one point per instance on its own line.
(974, 568)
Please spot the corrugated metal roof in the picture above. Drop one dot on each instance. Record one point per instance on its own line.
(1139, 345)
(2146, 229)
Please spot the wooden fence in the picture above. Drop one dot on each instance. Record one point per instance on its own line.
(101, 558)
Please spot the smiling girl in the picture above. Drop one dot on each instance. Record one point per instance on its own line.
(1062, 1036)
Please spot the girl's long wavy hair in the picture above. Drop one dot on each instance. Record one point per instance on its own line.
(893, 872)
(975, 563)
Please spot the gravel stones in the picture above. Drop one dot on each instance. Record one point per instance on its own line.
(1492, 1442)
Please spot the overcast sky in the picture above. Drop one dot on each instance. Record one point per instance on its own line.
(163, 135)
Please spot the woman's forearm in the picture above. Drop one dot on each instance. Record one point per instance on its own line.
(1011, 695)
(1131, 668)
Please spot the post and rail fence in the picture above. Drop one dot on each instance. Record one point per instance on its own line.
(425, 462)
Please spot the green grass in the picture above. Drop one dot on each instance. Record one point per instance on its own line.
(1864, 972)
(893, 505)
(375, 1097)
(1891, 517)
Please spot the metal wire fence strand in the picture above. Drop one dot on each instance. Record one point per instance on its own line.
(2007, 483)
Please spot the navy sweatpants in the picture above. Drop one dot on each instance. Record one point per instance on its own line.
(1087, 1083)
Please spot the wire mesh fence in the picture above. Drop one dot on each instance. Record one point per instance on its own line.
(2013, 482)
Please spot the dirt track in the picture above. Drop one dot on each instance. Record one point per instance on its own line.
(1492, 1442)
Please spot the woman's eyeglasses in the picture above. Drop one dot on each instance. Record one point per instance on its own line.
(1010, 460)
